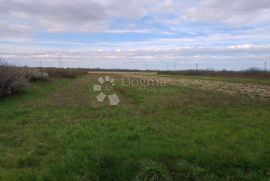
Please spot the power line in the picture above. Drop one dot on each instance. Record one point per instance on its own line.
(60, 61)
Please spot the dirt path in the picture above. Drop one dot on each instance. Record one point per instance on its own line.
(75, 93)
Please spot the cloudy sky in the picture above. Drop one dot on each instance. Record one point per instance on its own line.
(153, 34)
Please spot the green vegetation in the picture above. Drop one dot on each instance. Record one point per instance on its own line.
(57, 131)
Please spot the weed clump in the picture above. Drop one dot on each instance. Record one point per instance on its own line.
(153, 172)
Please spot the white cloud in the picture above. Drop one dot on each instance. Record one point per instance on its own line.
(30, 16)
(231, 11)
(245, 46)
(69, 16)
(155, 55)
(175, 35)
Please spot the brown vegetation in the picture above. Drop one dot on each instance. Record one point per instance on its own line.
(12, 79)
(244, 89)
(250, 73)
(67, 73)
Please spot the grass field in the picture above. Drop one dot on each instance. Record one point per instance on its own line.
(58, 131)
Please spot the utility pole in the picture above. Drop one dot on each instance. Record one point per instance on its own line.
(197, 67)
(265, 66)
(40, 63)
(60, 61)
(174, 67)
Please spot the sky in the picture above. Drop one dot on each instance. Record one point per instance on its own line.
(136, 34)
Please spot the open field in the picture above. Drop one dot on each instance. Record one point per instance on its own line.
(251, 88)
(191, 129)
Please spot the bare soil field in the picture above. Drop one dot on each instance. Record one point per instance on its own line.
(250, 90)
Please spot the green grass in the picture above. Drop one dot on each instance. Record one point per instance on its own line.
(57, 131)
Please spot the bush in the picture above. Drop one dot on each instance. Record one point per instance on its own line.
(35, 75)
(12, 79)
(64, 73)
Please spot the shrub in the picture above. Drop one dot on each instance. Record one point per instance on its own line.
(12, 79)
(64, 73)
(36, 75)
